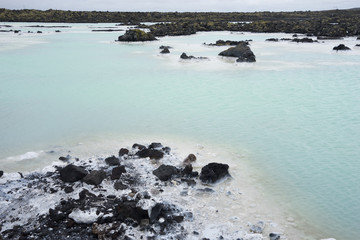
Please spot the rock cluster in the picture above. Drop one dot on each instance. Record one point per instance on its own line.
(186, 57)
(226, 43)
(108, 200)
(136, 35)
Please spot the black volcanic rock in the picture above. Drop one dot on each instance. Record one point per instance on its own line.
(213, 172)
(165, 50)
(95, 177)
(117, 171)
(72, 173)
(272, 40)
(151, 153)
(138, 146)
(112, 161)
(341, 47)
(242, 51)
(123, 151)
(303, 40)
(165, 172)
(1, 173)
(136, 35)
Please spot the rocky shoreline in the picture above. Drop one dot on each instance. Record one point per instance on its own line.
(130, 196)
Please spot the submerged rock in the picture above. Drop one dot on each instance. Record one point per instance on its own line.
(242, 51)
(186, 57)
(165, 172)
(72, 173)
(136, 35)
(95, 177)
(341, 47)
(214, 172)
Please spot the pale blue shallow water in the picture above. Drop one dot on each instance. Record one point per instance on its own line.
(295, 111)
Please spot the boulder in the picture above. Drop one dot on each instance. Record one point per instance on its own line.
(112, 161)
(155, 146)
(151, 153)
(123, 151)
(1, 173)
(138, 146)
(214, 172)
(165, 50)
(242, 51)
(95, 177)
(130, 210)
(341, 47)
(136, 35)
(72, 173)
(117, 171)
(165, 172)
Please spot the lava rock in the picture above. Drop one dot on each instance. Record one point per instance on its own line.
(185, 56)
(213, 172)
(117, 171)
(72, 173)
(274, 236)
(95, 177)
(163, 47)
(68, 189)
(242, 51)
(272, 40)
(341, 47)
(123, 151)
(165, 172)
(136, 35)
(155, 211)
(165, 50)
(112, 161)
(1, 173)
(65, 159)
(151, 153)
(56, 215)
(138, 146)
(155, 146)
(130, 210)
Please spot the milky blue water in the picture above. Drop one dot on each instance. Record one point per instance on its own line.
(295, 113)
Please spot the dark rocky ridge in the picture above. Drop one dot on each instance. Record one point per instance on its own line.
(136, 35)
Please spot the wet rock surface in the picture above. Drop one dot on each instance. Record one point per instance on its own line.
(242, 51)
(341, 47)
(136, 35)
(213, 172)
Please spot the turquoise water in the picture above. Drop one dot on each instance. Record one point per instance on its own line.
(295, 112)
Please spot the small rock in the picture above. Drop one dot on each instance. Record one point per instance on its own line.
(165, 50)
(112, 161)
(341, 47)
(274, 236)
(72, 173)
(65, 159)
(138, 146)
(165, 172)
(95, 177)
(68, 189)
(1, 173)
(117, 171)
(155, 146)
(123, 151)
(178, 219)
(155, 211)
(189, 159)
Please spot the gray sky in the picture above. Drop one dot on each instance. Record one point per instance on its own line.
(181, 5)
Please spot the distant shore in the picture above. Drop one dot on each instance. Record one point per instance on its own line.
(329, 23)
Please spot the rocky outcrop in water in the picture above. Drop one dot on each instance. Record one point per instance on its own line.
(165, 50)
(136, 35)
(304, 40)
(226, 43)
(242, 51)
(186, 57)
(341, 47)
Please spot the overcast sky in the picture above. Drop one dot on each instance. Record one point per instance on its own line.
(181, 5)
